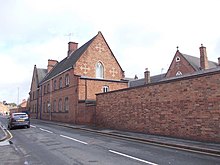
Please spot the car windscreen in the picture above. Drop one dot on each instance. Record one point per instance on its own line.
(20, 115)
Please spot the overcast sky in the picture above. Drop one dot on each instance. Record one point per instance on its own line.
(141, 33)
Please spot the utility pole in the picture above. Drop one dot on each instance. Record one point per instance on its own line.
(18, 97)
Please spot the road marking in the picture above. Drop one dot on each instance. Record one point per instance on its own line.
(33, 126)
(67, 137)
(11, 136)
(131, 157)
(45, 130)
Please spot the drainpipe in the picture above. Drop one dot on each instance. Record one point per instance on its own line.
(41, 102)
(37, 103)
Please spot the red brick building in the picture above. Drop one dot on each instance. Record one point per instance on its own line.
(182, 64)
(67, 91)
(183, 103)
(185, 64)
(185, 107)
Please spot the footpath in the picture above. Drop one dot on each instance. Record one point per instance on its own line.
(3, 134)
(181, 144)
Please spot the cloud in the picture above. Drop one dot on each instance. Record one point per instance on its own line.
(142, 34)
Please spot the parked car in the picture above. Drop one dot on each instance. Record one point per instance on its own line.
(18, 119)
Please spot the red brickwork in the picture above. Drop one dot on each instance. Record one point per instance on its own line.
(99, 51)
(180, 64)
(185, 108)
(86, 114)
(83, 85)
(55, 94)
(88, 88)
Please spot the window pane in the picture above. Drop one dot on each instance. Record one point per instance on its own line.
(99, 70)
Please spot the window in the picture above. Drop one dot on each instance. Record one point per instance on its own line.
(54, 106)
(48, 106)
(66, 104)
(54, 85)
(178, 73)
(67, 80)
(105, 88)
(60, 105)
(60, 82)
(44, 89)
(44, 107)
(99, 70)
(177, 59)
(48, 88)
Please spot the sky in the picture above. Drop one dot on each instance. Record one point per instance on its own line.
(141, 34)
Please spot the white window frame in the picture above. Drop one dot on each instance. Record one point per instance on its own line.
(177, 59)
(178, 73)
(105, 88)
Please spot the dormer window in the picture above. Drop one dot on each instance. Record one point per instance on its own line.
(179, 73)
(177, 59)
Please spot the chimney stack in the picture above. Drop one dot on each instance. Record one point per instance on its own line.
(72, 46)
(51, 64)
(204, 64)
(219, 61)
(146, 76)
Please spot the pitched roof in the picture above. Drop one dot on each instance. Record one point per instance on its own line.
(68, 62)
(153, 79)
(41, 74)
(195, 62)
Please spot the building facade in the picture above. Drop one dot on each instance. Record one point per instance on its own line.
(68, 91)
(182, 64)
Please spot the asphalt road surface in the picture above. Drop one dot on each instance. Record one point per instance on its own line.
(46, 144)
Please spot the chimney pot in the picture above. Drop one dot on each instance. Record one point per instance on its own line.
(147, 76)
(204, 64)
(72, 47)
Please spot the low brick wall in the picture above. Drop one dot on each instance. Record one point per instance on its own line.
(185, 108)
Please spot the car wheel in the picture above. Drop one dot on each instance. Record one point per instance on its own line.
(9, 127)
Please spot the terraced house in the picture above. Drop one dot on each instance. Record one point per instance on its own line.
(66, 90)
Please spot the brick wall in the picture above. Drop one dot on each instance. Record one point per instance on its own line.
(185, 108)
(86, 114)
(70, 91)
(181, 65)
(99, 51)
(88, 88)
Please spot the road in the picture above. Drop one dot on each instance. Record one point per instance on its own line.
(46, 144)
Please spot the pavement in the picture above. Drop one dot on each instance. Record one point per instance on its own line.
(181, 144)
(3, 134)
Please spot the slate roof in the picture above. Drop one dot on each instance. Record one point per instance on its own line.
(41, 74)
(68, 62)
(153, 79)
(195, 62)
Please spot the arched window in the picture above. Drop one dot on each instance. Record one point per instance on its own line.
(67, 80)
(178, 73)
(66, 104)
(54, 85)
(105, 88)
(99, 70)
(60, 83)
(60, 105)
(54, 106)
